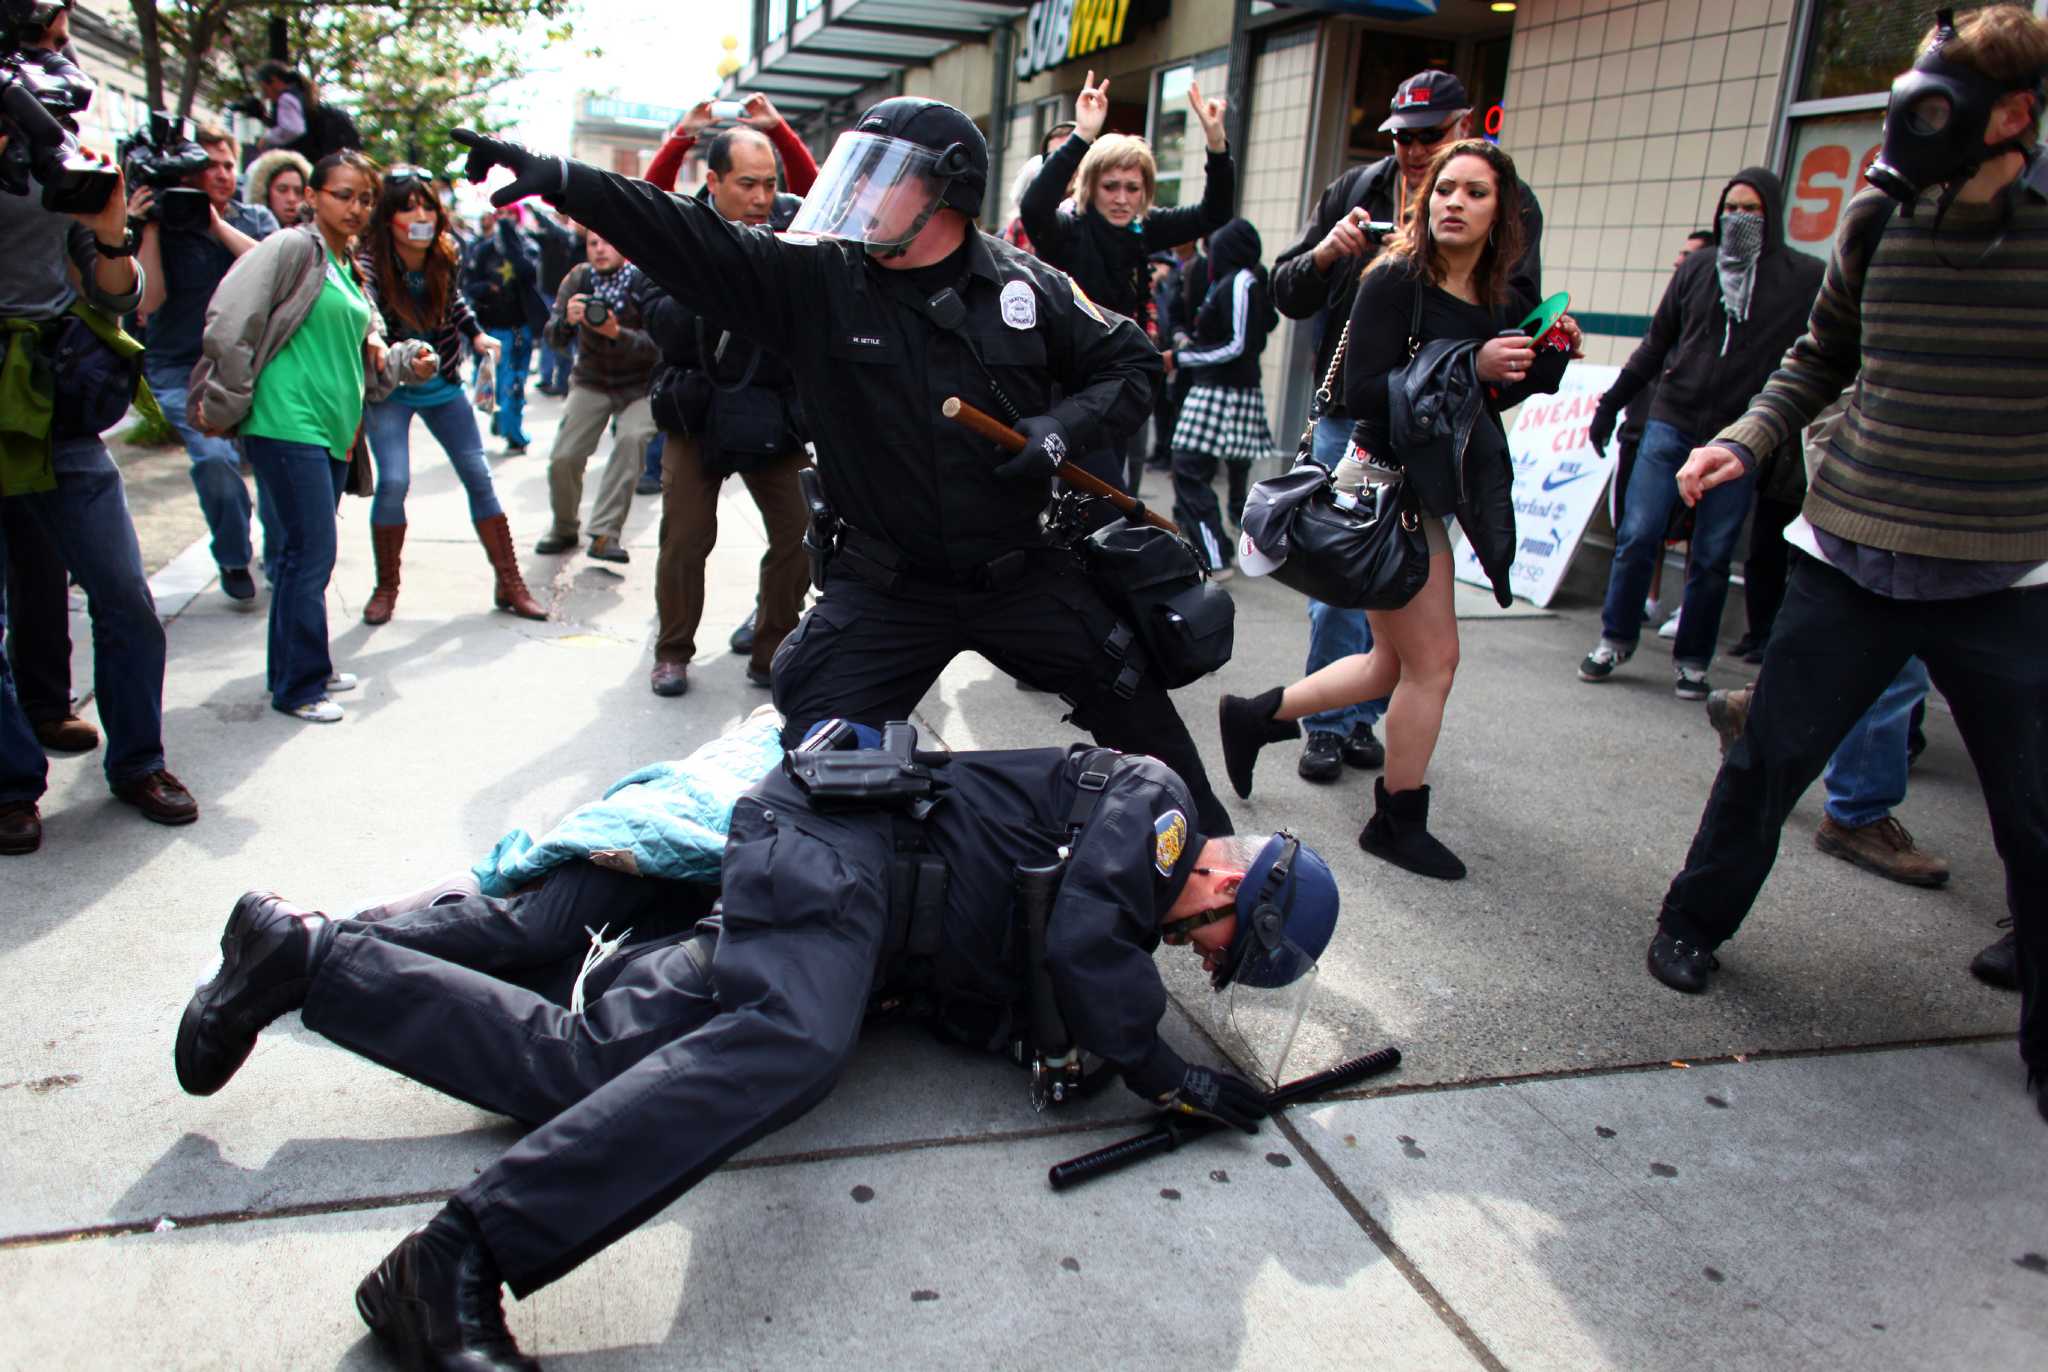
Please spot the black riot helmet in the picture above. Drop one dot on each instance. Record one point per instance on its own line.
(905, 160)
(1934, 124)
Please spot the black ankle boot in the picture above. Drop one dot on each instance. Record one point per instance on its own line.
(1399, 832)
(268, 954)
(436, 1300)
(1248, 725)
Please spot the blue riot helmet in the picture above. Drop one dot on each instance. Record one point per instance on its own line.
(1286, 912)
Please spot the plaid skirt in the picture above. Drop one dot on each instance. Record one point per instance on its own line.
(1227, 422)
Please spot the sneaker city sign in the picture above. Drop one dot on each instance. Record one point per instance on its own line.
(1559, 480)
(1060, 31)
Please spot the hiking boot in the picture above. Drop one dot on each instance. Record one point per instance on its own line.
(67, 735)
(1882, 846)
(1728, 712)
(1998, 964)
(1247, 725)
(268, 954)
(436, 1301)
(1680, 965)
(1399, 832)
(1323, 758)
(1362, 750)
(1689, 683)
(160, 796)
(1601, 662)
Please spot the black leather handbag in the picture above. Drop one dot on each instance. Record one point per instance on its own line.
(744, 425)
(1366, 552)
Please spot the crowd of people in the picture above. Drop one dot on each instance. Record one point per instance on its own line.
(800, 326)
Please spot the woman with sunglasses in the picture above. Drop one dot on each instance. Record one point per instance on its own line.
(291, 351)
(410, 267)
(1106, 239)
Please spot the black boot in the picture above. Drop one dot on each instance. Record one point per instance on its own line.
(1999, 963)
(1248, 725)
(1399, 832)
(435, 1301)
(268, 954)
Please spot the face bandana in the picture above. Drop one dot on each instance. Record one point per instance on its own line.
(1742, 241)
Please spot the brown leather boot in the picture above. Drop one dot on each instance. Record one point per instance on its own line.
(386, 541)
(496, 535)
(1882, 846)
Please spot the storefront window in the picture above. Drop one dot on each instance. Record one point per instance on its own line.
(1170, 126)
(1858, 46)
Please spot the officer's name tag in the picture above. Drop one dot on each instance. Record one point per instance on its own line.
(862, 340)
(1020, 306)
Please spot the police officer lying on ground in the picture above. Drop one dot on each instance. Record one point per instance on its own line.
(835, 895)
(884, 300)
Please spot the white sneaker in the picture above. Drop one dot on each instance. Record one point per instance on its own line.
(1653, 610)
(321, 711)
(342, 681)
(1670, 629)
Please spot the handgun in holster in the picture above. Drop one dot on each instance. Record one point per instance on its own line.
(895, 776)
(821, 531)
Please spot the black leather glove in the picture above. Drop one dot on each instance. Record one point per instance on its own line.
(1041, 457)
(532, 173)
(1601, 430)
(1220, 1095)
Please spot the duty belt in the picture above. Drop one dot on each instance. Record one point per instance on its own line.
(880, 564)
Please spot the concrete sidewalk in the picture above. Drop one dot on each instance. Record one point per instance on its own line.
(1843, 1172)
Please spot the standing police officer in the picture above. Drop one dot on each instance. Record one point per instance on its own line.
(682, 1050)
(885, 300)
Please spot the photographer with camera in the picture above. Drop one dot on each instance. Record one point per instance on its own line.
(299, 119)
(182, 263)
(54, 470)
(727, 407)
(596, 310)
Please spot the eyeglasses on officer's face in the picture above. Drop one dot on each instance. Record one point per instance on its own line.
(1428, 138)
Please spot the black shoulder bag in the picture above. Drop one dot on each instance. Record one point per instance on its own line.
(745, 425)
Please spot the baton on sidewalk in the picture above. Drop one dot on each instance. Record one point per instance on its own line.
(995, 431)
(1171, 1133)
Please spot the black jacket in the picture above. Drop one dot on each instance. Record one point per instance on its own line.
(560, 249)
(501, 277)
(1232, 323)
(675, 327)
(1110, 263)
(1302, 292)
(873, 369)
(1700, 389)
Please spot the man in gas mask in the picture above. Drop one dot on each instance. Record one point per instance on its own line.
(895, 875)
(1726, 318)
(1923, 531)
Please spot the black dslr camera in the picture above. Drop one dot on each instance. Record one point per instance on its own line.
(595, 312)
(161, 157)
(42, 93)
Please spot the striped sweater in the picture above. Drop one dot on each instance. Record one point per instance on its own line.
(1943, 449)
(458, 321)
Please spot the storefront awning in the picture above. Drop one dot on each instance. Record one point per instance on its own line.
(1369, 9)
(842, 46)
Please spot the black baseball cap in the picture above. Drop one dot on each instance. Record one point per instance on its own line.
(1425, 100)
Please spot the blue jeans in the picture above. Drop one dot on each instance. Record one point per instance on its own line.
(1639, 544)
(514, 358)
(306, 482)
(1866, 777)
(216, 471)
(1335, 633)
(555, 364)
(453, 424)
(86, 519)
(651, 469)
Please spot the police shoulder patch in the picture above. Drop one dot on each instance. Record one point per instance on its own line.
(1169, 837)
(1019, 305)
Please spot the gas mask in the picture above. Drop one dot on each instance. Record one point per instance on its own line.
(1934, 125)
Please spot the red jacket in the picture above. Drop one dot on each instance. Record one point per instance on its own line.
(799, 169)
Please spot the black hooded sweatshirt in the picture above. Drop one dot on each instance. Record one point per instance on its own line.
(1700, 389)
(1235, 316)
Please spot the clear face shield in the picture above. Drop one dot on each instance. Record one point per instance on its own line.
(1265, 1005)
(874, 190)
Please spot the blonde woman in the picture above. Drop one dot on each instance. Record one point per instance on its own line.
(1105, 237)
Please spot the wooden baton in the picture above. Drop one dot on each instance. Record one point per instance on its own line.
(997, 432)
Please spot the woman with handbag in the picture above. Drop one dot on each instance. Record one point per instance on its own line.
(291, 351)
(1442, 279)
(409, 265)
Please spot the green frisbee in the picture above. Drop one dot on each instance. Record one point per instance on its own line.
(1545, 316)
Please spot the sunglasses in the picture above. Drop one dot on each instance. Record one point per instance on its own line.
(1428, 138)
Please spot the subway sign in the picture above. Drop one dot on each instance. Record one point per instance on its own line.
(1060, 31)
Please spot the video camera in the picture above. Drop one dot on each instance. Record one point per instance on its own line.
(161, 157)
(42, 93)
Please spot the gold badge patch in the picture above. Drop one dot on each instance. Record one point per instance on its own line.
(1169, 837)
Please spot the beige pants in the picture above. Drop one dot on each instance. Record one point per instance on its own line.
(584, 418)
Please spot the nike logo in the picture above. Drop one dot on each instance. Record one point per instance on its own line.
(1553, 481)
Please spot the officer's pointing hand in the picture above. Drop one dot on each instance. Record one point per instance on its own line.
(1220, 1095)
(1042, 456)
(532, 174)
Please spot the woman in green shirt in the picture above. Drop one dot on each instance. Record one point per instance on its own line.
(293, 346)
